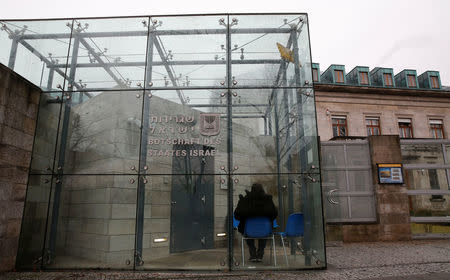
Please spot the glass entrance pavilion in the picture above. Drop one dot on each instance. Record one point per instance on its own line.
(151, 128)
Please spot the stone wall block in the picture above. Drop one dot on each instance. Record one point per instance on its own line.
(17, 138)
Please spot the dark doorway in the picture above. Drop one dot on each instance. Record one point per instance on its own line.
(192, 215)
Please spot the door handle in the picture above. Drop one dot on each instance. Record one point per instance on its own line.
(173, 202)
(329, 198)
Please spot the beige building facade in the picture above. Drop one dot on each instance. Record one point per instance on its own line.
(389, 105)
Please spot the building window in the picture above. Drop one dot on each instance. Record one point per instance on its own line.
(405, 128)
(388, 79)
(436, 129)
(315, 73)
(339, 76)
(364, 78)
(411, 80)
(373, 126)
(434, 82)
(339, 125)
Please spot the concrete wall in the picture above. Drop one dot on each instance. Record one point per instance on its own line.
(19, 101)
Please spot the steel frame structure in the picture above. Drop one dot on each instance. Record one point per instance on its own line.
(154, 46)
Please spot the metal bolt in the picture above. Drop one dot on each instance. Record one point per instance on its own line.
(222, 167)
(235, 94)
(150, 83)
(222, 83)
(68, 97)
(133, 167)
(144, 181)
(236, 167)
(234, 82)
(222, 181)
(59, 167)
(131, 181)
(58, 181)
(236, 181)
(145, 167)
(222, 94)
(138, 95)
(306, 83)
(149, 95)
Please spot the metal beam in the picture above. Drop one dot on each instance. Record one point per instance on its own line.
(100, 60)
(137, 33)
(168, 69)
(62, 157)
(13, 53)
(179, 62)
(47, 61)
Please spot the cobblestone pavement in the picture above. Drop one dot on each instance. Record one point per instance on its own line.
(422, 260)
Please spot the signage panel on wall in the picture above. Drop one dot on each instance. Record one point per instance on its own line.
(390, 173)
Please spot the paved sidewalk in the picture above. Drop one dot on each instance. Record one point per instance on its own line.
(422, 260)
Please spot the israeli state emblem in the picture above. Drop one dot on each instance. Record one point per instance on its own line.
(209, 124)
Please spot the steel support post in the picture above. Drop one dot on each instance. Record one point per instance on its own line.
(306, 205)
(140, 205)
(168, 69)
(13, 53)
(51, 74)
(229, 147)
(62, 154)
(277, 148)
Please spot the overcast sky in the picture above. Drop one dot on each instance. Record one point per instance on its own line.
(400, 34)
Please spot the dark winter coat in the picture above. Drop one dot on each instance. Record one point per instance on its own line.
(254, 204)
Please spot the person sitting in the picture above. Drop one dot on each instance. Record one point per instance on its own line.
(255, 203)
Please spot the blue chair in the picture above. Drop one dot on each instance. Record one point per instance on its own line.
(295, 227)
(258, 228)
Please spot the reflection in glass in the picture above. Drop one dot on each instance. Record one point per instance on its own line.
(100, 132)
(37, 50)
(184, 222)
(92, 222)
(31, 242)
(150, 133)
(46, 133)
(297, 194)
(422, 153)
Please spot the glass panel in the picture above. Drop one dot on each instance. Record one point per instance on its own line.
(358, 155)
(108, 53)
(46, 133)
(429, 206)
(360, 180)
(362, 207)
(431, 229)
(189, 138)
(185, 222)
(422, 153)
(188, 51)
(259, 41)
(41, 52)
(335, 179)
(289, 194)
(332, 155)
(427, 179)
(101, 132)
(92, 222)
(34, 219)
(270, 126)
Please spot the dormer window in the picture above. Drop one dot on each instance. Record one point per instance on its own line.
(315, 73)
(411, 80)
(339, 76)
(434, 82)
(387, 77)
(364, 78)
